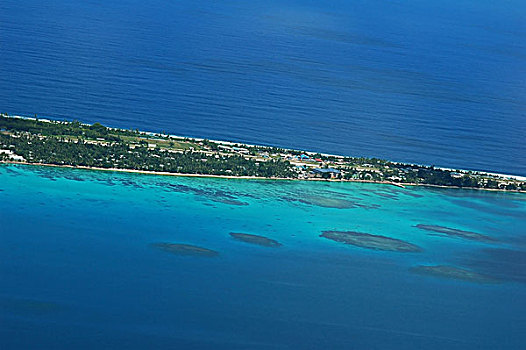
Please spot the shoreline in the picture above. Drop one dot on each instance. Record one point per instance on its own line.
(232, 177)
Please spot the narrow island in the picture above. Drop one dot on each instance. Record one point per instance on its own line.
(74, 144)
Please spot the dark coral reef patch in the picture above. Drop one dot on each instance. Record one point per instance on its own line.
(185, 249)
(255, 239)
(335, 202)
(453, 232)
(326, 202)
(219, 196)
(452, 272)
(505, 264)
(366, 240)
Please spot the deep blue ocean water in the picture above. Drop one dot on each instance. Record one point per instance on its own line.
(431, 82)
(78, 269)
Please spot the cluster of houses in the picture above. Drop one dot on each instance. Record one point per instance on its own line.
(306, 166)
(10, 155)
(327, 173)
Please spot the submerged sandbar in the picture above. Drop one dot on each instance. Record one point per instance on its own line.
(453, 232)
(185, 249)
(255, 239)
(452, 272)
(369, 241)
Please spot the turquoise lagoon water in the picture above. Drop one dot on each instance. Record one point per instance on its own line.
(79, 270)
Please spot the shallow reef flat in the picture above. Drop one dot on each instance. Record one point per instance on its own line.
(369, 241)
(219, 196)
(326, 202)
(452, 272)
(453, 232)
(185, 249)
(255, 239)
(330, 202)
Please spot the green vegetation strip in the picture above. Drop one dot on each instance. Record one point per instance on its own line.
(63, 143)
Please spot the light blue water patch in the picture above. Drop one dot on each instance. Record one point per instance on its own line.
(79, 269)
